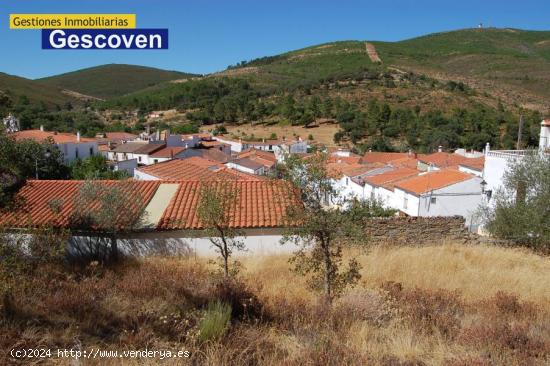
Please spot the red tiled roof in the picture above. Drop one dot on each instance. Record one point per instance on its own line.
(444, 159)
(266, 155)
(475, 163)
(38, 198)
(352, 159)
(194, 168)
(407, 162)
(58, 137)
(213, 143)
(259, 204)
(167, 152)
(390, 178)
(433, 180)
(382, 157)
(264, 158)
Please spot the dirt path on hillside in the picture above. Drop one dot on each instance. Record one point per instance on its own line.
(371, 51)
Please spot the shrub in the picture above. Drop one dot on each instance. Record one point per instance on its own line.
(216, 321)
(428, 310)
(245, 305)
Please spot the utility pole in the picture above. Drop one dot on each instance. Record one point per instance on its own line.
(520, 130)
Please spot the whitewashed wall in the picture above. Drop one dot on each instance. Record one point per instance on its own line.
(257, 242)
(85, 149)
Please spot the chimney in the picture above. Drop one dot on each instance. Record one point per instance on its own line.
(78, 136)
(148, 130)
(171, 153)
(487, 148)
(410, 153)
(158, 135)
(42, 128)
(440, 148)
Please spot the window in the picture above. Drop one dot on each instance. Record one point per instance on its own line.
(91, 151)
(405, 202)
(347, 181)
(155, 161)
(76, 153)
(433, 200)
(139, 159)
(270, 147)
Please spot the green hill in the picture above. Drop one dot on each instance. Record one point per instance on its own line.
(15, 87)
(512, 64)
(108, 81)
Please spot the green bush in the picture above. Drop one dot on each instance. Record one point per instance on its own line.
(216, 321)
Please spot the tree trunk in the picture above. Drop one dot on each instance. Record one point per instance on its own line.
(328, 273)
(114, 249)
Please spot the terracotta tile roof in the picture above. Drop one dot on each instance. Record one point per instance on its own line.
(259, 204)
(148, 149)
(167, 152)
(382, 157)
(352, 159)
(213, 143)
(194, 168)
(390, 178)
(129, 147)
(215, 155)
(38, 197)
(58, 137)
(265, 158)
(407, 162)
(444, 159)
(248, 163)
(474, 163)
(433, 180)
(266, 155)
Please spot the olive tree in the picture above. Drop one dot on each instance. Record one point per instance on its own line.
(102, 212)
(519, 210)
(216, 210)
(323, 225)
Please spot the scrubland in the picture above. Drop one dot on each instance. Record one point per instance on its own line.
(451, 304)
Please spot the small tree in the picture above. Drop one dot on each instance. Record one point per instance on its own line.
(103, 211)
(216, 209)
(322, 226)
(95, 167)
(519, 211)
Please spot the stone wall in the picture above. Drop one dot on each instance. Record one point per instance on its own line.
(418, 230)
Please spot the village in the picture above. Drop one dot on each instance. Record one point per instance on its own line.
(164, 166)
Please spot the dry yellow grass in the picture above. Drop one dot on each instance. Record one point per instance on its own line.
(128, 308)
(477, 271)
(323, 134)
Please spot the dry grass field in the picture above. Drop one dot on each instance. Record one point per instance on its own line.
(451, 304)
(323, 134)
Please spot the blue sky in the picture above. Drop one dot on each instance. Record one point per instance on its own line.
(207, 35)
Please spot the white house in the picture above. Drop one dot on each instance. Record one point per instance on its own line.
(171, 224)
(247, 165)
(497, 162)
(71, 146)
(445, 192)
